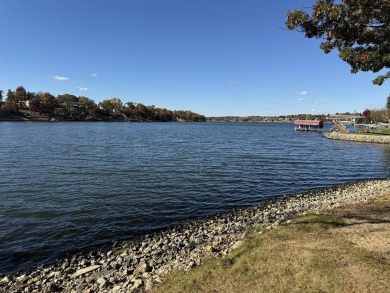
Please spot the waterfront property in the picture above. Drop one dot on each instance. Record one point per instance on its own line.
(308, 125)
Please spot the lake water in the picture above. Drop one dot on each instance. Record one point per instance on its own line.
(73, 185)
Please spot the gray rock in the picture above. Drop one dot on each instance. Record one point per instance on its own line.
(137, 284)
(51, 287)
(102, 281)
(142, 268)
(148, 284)
(85, 270)
(237, 244)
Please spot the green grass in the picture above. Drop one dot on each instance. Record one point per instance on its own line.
(377, 131)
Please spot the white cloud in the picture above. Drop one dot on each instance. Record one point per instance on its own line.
(94, 75)
(83, 89)
(303, 93)
(61, 78)
(319, 102)
(301, 99)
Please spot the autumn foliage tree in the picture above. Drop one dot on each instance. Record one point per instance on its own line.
(358, 29)
(20, 94)
(70, 107)
(88, 106)
(35, 101)
(47, 103)
(366, 114)
(11, 105)
(379, 115)
(67, 101)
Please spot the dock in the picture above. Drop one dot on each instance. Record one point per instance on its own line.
(309, 125)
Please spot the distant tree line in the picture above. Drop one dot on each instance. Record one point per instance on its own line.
(30, 105)
(367, 116)
(376, 116)
(281, 118)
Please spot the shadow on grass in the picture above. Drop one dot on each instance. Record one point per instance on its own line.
(323, 221)
(372, 213)
(330, 222)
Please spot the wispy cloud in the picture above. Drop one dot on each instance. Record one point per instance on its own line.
(246, 97)
(301, 99)
(319, 102)
(83, 89)
(303, 93)
(94, 75)
(61, 78)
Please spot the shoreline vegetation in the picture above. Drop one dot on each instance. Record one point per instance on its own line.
(22, 105)
(219, 241)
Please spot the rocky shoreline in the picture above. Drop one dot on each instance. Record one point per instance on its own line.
(135, 266)
(369, 138)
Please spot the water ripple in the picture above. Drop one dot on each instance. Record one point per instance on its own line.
(67, 186)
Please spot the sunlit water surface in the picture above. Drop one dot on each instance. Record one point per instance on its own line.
(68, 186)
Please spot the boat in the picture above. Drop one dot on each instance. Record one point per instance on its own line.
(309, 125)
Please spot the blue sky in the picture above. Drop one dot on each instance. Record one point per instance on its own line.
(214, 57)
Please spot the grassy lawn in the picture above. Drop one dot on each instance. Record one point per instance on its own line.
(383, 130)
(314, 253)
(378, 131)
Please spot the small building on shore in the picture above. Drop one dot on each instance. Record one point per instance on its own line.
(308, 125)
